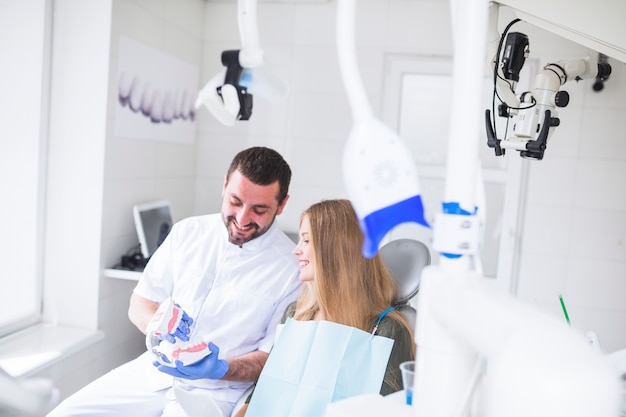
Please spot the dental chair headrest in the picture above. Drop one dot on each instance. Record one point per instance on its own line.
(405, 259)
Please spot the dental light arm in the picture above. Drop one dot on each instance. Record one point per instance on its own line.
(229, 94)
(378, 171)
(223, 95)
(534, 113)
(251, 54)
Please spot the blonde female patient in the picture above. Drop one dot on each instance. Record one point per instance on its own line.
(342, 286)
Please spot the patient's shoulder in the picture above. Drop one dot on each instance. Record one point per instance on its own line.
(393, 328)
(289, 312)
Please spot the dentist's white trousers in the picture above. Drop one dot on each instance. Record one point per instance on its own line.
(130, 390)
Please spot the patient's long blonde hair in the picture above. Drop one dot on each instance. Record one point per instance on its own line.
(347, 288)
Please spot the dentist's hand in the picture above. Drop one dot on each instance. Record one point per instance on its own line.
(210, 367)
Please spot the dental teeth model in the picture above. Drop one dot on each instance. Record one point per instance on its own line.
(163, 336)
(165, 320)
(187, 352)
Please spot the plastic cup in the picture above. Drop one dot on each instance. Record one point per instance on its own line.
(408, 375)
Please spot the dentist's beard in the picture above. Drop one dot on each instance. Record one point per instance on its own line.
(237, 238)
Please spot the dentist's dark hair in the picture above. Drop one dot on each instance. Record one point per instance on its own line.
(263, 166)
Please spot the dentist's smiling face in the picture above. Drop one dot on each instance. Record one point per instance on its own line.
(304, 251)
(248, 209)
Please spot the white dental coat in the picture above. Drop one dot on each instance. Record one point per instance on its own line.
(236, 297)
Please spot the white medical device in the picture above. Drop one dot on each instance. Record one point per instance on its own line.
(533, 113)
(480, 351)
(378, 170)
(229, 94)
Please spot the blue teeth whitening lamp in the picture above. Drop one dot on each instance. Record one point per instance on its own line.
(378, 171)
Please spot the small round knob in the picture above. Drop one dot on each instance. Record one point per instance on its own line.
(561, 98)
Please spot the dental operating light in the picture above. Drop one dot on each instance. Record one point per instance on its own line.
(229, 94)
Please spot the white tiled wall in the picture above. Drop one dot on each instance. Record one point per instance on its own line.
(575, 227)
(139, 170)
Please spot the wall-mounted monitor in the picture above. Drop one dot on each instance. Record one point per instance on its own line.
(153, 222)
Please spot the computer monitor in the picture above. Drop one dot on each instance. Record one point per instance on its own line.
(153, 222)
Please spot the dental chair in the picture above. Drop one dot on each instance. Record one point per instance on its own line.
(405, 259)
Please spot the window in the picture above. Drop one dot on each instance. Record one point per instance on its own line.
(23, 62)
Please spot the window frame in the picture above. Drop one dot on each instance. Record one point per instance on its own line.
(28, 96)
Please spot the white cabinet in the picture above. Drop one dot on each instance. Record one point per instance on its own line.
(596, 24)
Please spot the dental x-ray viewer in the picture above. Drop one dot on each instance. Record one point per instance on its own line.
(230, 287)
